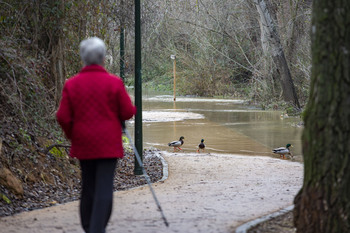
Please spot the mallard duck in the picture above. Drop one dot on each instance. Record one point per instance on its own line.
(177, 144)
(282, 151)
(201, 146)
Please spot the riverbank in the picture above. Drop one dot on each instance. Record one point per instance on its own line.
(203, 193)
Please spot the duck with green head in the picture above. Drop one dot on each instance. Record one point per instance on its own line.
(282, 151)
(177, 144)
(201, 146)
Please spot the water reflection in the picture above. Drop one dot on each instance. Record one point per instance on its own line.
(228, 126)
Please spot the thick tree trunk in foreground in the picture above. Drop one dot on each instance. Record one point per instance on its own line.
(271, 42)
(323, 204)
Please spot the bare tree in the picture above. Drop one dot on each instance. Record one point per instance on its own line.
(271, 45)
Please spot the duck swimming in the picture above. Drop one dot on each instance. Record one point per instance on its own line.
(177, 144)
(201, 146)
(282, 151)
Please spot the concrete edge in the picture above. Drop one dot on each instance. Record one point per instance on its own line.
(165, 174)
(246, 226)
(165, 167)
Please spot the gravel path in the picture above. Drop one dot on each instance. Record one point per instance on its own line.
(203, 193)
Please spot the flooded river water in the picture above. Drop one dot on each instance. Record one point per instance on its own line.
(227, 126)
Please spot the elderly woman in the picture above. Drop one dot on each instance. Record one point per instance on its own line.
(93, 105)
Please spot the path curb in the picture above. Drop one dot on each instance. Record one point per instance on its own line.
(165, 167)
(165, 174)
(246, 226)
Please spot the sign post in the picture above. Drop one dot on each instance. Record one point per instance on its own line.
(173, 57)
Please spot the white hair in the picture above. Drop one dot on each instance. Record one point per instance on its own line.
(92, 51)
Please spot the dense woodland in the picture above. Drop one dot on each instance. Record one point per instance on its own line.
(253, 49)
(223, 48)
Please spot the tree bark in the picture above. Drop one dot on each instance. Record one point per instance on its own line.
(323, 203)
(57, 50)
(58, 68)
(271, 44)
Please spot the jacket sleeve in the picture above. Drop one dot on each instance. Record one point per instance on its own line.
(64, 113)
(126, 108)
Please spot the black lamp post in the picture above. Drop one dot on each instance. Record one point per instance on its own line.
(138, 87)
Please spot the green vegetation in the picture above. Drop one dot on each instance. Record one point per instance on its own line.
(3, 197)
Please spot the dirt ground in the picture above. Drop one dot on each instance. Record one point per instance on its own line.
(57, 181)
(203, 193)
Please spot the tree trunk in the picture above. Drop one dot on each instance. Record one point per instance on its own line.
(57, 50)
(323, 204)
(293, 9)
(271, 42)
(58, 68)
(289, 93)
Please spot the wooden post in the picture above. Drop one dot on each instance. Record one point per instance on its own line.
(175, 79)
(173, 57)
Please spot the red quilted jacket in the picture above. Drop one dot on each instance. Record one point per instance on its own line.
(93, 104)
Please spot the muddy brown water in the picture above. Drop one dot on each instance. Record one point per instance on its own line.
(227, 126)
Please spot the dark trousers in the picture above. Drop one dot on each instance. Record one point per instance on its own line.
(97, 193)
